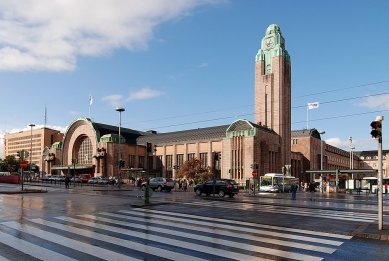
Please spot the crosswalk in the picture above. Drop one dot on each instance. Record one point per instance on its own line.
(146, 234)
(291, 210)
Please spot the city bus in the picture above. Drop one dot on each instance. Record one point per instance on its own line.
(276, 182)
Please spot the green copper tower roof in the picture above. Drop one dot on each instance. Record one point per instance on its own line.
(273, 44)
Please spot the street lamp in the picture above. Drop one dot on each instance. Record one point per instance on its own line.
(351, 156)
(119, 109)
(321, 161)
(31, 125)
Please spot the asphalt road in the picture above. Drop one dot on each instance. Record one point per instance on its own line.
(264, 226)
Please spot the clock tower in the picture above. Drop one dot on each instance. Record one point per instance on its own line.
(273, 90)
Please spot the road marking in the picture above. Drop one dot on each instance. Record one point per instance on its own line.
(140, 234)
(29, 248)
(332, 214)
(215, 228)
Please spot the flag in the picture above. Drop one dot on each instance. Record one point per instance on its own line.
(313, 105)
(90, 99)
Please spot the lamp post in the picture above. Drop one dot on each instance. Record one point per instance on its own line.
(31, 125)
(321, 161)
(351, 157)
(119, 109)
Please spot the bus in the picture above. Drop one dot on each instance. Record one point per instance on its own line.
(371, 183)
(276, 182)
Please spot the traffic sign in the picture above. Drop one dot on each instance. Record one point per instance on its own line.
(255, 173)
(23, 164)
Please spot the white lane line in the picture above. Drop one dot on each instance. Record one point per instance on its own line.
(253, 225)
(74, 244)
(224, 232)
(31, 249)
(217, 239)
(117, 241)
(302, 213)
(293, 210)
(164, 240)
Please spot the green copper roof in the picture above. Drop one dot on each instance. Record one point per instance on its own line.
(273, 44)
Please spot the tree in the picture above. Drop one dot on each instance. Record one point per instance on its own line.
(10, 163)
(192, 169)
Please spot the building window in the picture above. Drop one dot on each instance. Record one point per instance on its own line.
(131, 161)
(361, 165)
(141, 162)
(169, 166)
(204, 159)
(85, 152)
(180, 159)
(159, 162)
(191, 156)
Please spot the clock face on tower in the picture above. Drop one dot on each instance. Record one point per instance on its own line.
(269, 42)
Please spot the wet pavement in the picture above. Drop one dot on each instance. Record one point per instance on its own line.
(131, 196)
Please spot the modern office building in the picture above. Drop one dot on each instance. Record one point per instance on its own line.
(36, 142)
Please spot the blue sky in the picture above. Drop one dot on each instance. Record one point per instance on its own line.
(178, 65)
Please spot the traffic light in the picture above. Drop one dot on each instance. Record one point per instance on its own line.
(18, 154)
(252, 166)
(256, 166)
(122, 163)
(149, 147)
(216, 156)
(26, 154)
(376, 132)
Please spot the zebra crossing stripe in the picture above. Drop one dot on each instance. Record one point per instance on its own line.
(214, 229)
(175, 242)
(290, 234)
(31, 249)
(4, 259)
(77, 245)
(333, 214)
(125, 243)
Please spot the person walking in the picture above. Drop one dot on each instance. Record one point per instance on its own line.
(312, 189)
(67, 179)
(185, 184)
(294, 188)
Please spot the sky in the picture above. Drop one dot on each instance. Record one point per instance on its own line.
(179, 65)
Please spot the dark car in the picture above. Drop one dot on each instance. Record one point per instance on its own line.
(222, 187)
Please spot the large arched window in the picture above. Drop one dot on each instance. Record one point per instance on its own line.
(85, 151)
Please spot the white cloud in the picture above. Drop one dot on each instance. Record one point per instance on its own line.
(375, 102)
(50, 34)
(345, 144)
(145, 93)
(114, 100)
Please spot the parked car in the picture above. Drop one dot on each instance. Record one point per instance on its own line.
(103, 180)
(46, 178)
(84, 178)
(159, 184)
(74, 179)
(115, 180)
(222, 187)
(93, 180)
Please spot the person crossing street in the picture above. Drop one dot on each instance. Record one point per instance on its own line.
(312, 189)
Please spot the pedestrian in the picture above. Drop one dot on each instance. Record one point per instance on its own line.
(185, 184)
(294, 188)
(312, 189)
(179, 184)
(67, 181)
